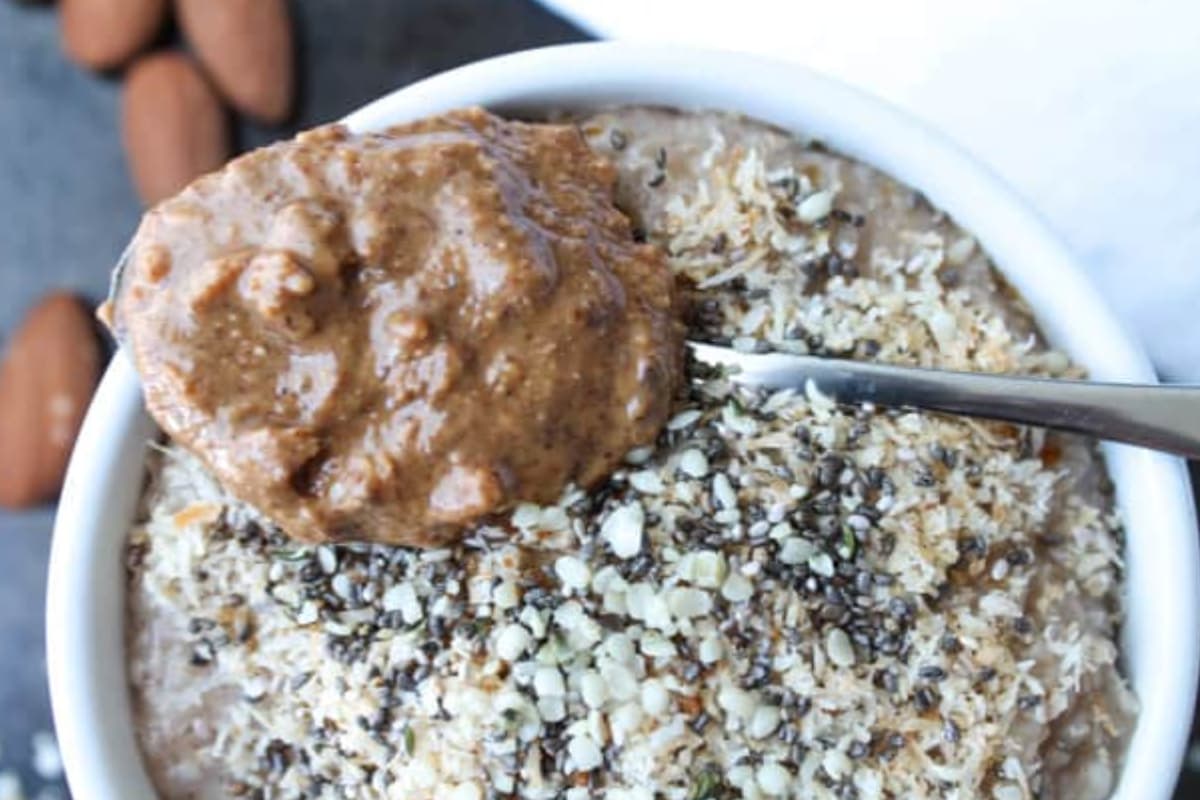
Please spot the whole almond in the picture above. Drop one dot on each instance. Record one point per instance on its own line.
(172, 124)
(102, 34)
(246, 46)
(46, 380)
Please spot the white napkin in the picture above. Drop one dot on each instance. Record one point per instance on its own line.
(1091, 108)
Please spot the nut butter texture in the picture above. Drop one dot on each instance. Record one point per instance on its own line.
(391, 336)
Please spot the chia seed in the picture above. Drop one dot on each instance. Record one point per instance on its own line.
(931, 673)
(203, 654)
(900, 608)
(1028, 701)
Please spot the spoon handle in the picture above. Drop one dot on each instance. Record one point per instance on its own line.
(1159, 417)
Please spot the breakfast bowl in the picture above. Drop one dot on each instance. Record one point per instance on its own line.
(1160, 654)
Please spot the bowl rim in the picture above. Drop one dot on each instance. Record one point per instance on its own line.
(84, 609)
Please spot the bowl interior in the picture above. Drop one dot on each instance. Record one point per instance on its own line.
(84, 609)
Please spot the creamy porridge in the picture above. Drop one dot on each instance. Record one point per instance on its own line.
(781, 597)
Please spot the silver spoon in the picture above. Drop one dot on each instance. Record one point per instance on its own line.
(1159, 417)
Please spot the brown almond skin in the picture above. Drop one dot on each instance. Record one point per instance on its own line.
(246, 46)
(103, 34)
(47, 376)
(172, 123)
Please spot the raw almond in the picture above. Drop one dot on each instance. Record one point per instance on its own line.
(102, 34)
(172, 124)
(46, 380)
(246, 46)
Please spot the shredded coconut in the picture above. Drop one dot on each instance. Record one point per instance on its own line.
(783, 597)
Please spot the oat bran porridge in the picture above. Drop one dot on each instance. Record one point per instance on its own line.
(781, 598)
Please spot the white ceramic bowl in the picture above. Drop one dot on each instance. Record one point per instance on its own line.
(1160, 640)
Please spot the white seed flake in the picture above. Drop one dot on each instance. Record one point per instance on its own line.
(821, 564)
(737, 702)
(764, 722)
(342, 586)
(585, 753)
(958, 252)
(619, 647)
(816, 206)
(592, 689)
(623, 529)
(308, 613)
(647, 481)
(839, 647)
(639, 455)
(512, 641)
(548, 682)
(723, 492)
(526, 516)
(686, 602)
(655, 645)
(737, 588)
(402, 597)
(655, 698)
(710, 650)
(624, 721)
(555, 519)
(574, 574)
(607, 577)
(738, 422)
(466, 791)
(327, 558)
(655, 611)
(706, 568)
(693, 463)
(506, 595)
(684, 419)
(773, 779)
(796, 550)
(622, 684)
(836, 763)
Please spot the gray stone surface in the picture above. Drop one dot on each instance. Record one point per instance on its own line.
(67, 208)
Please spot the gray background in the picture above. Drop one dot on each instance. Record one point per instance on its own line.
(66, 209)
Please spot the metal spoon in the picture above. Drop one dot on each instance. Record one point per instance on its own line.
(1159, 417)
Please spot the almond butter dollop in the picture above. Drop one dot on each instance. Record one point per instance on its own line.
(392, 336)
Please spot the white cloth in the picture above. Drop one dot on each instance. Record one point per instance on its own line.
(1090, 108)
